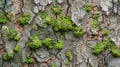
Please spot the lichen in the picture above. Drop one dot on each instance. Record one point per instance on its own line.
(60, 44)
(34, 27)
(24, 19)
(49, 43)
(5, 30)
(69, 55)
(6, 56)
(78, 31)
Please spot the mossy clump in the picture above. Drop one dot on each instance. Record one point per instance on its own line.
(45, 17)
(49, 43)
(87, 7)
(35, 42)
(115, 51)
(16, 38)
(29, 60)
(24, 19)
(95, 23)
(12, 35)
(16, 49)
(95, 15)
(78, 31)
(98, 48)
(3, 18)
(69, 55)
(54, 65)
(106, 44)
(119, 1)
(106, 32)
(7, 57)
(63, 23)
(60, 44)
(56, 9)
(43, 14)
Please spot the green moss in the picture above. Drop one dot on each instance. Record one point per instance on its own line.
(119, 1)
(69, 55)
(106, 44)
(29, 60)
(78, 31)
(87, 7)
(99, 28)
(67, 63)
(95, 23)
(45, 17)
(24, 19)
(109, 43)
(54, 65)
(63, 23)
(6, 56)
(34, 36)
(49, 43)
(12, 34)
(3, 18)
(60, 44)
(16, 49)
(95, 15)
(17, 38)
(43, 14)
(106, 32)
(98, 48)
(115, 51)
(35, 42)
(56, 10)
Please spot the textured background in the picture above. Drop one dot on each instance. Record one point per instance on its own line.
(81, 48)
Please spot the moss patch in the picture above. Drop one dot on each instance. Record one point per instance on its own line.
(60, 44)
(3, 18)
(35, 42)
(56, 9)
(16, 49)
(49, 43)
(63, 23)
(6, 56)
(29, 60)
(107, 44)
(78, 31)
(87, 7)
(69, 55)
(24, 19)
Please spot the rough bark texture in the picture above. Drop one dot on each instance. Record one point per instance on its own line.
(81, 48)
